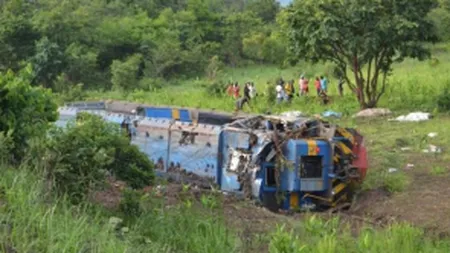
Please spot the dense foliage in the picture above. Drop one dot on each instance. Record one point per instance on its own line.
(25, 111)
(79, 157)
(129, 44)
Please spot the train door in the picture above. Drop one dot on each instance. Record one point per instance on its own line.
(232, 144)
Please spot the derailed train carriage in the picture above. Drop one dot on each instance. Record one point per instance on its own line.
(284, 162)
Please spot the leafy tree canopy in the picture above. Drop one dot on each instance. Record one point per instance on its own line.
(362, 36)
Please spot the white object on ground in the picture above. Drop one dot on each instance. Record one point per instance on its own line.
(432, 135)
(432, 149)
(374, 112)
(409, 166)
(293, 114)
(405, 149)
(392, 170)
(414, 117)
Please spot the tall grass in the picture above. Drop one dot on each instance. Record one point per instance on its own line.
(31, 222)
(318, 235)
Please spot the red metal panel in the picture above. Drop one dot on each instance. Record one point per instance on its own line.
(361, 162)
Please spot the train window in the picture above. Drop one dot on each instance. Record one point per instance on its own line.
(141, 111)
(311, 167)
(270, 177)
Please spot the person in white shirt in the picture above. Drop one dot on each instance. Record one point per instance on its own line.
(280, 93)
(252, 90)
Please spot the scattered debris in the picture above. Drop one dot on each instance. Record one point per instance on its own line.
(392, 170)
(409, 166)
(414, 117)
(292, 114)
(374, 112)
(330, 113)
(432, 135)
(432, 149)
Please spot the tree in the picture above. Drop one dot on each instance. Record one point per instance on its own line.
(26, 111)
(362, 36)
(125, 74)
(48, 62)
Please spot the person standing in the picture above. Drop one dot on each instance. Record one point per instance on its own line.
(303, 83)
(230, 89)
(236, 90)
(280, 92)
(289, 89)
(317, 85)
(341, 86)
(252, 90)
(323, 84)
(247, 90)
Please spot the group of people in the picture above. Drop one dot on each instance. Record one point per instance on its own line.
(285, 90)
(233, 90)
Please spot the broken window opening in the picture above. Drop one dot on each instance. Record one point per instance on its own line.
(311, 167)
(270, 177)
(187, 138)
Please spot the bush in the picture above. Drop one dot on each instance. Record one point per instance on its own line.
(125, 74)
(443, 99)
(78, 158)
(26, 111)
(130, 203)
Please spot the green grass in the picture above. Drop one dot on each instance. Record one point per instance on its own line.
(317, 235)
(439, 171)
(30, 222)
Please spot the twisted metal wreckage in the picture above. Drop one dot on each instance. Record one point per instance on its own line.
(307, 162)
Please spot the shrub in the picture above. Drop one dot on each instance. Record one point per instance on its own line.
(78, 158)
(26, 111)
(443, 99)
(130, 203)
(395, 182)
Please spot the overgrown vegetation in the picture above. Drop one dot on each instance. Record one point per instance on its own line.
(317, 235)
(78, 158)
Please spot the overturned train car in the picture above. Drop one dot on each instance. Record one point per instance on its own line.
(285, 163)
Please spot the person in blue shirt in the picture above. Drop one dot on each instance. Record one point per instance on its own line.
(323, 83)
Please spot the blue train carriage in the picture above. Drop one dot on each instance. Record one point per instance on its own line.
(179, 147)
(230, 150)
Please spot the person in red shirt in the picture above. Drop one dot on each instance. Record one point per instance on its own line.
(317, 85)
(230, 89)
(303, 86)
(236, 90)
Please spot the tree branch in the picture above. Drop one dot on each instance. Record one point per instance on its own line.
(383, 87)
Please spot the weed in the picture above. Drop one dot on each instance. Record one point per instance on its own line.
(439, 171)
(395, 182)
(130, 203)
